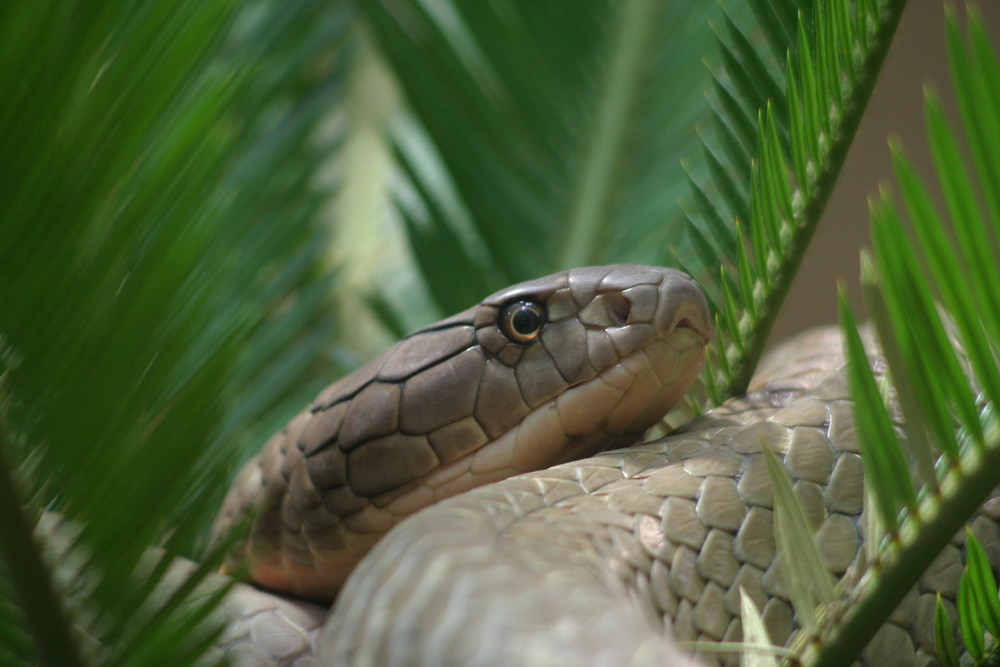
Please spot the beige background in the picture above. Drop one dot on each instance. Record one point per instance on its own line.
(917, 57)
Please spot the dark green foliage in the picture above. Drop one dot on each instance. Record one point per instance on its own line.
(159, 218)
(805, 104)
(555, 130)
(164, 302)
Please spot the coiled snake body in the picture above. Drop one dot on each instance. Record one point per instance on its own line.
(607, 560)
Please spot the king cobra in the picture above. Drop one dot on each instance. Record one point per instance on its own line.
(613, 559)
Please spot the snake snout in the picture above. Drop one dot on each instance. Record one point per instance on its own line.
(682, 305)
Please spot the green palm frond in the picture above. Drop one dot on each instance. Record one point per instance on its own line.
(781, 130)
(159, 212)
(165, 277)
(949, 400)
(540, 135)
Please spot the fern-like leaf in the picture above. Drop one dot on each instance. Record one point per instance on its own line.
(949, 398)
(805, 124)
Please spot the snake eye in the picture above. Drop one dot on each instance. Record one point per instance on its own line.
(521, 322)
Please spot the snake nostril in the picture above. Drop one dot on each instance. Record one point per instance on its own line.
(619, 309)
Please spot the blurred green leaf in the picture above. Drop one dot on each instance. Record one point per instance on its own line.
(981, 585)
(968, 620)
(754, 633)
(881, 451)
(163, 302)
(553, 135)
(934, 312)
(944, 636)
(809, 583)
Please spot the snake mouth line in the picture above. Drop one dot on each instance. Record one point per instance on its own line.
(693, 315)
(688, 323)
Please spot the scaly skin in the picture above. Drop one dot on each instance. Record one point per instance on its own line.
(613, 559)
(462, 403)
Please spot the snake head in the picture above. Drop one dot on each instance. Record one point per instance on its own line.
(617, 348)
(540, 373)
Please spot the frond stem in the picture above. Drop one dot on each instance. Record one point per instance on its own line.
(756, 334)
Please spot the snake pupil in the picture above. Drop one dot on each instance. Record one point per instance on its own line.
(521, 322)
(525, 321)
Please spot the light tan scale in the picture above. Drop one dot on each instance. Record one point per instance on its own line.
(613, 559)
(621, 558)
(541, 373)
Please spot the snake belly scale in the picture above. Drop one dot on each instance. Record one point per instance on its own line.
(541, 373)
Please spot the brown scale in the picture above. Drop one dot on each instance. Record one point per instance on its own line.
(461, 403)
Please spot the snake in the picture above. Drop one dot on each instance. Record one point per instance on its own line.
(475, 495)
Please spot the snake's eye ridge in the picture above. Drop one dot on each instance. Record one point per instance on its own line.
(522, 321)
